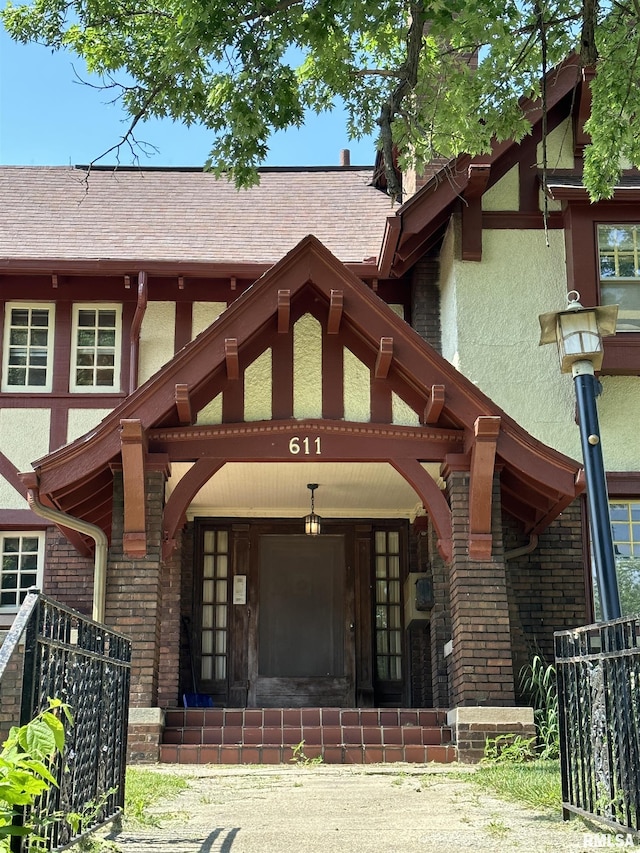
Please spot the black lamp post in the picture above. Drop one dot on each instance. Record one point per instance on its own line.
(578, 334)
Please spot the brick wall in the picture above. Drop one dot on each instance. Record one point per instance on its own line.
(425, 301)
(481, 662)
(169, 669)
(546, 587)
(68, 577)
(134, 592)
(187, 637)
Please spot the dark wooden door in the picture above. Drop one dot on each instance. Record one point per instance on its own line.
(304, 633)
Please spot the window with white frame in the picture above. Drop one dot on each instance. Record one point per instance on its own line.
(619, 254)
(22, 556)
(28, 346)
(96, 348)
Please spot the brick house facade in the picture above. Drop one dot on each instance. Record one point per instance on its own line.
(180, 361)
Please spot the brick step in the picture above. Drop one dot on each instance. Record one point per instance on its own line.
(337, 735)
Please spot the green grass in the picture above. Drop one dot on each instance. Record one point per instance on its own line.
(536, 783)
(144, 789)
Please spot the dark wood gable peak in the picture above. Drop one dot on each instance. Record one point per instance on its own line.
(461, 427)
(419, 225)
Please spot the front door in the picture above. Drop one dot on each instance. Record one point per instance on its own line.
(304, 645)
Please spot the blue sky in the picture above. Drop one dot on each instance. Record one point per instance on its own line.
(48, 118)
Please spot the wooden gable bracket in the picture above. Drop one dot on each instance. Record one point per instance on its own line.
(384, 358)
(336, 305)
(472, 211)
(133, 446)
(483, 457)
(435, 405)
(231, 358)
(284, 311)
(183, 404)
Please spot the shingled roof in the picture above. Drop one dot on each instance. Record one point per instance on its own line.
(187, 215)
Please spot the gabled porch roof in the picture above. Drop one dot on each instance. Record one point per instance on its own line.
(458, 425)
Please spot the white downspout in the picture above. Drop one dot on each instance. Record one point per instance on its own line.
(80, 526)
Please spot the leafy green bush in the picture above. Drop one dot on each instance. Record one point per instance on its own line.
(25, 761)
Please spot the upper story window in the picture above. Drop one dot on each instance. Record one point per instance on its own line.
(95, 351)
(22, 557)
(28, 347)
(619, 254)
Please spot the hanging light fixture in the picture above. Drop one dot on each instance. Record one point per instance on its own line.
(312, 521)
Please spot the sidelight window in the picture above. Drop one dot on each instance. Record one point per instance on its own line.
(388, 628)
(215, 597)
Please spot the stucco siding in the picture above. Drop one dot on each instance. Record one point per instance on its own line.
(203, 315)
(81, 421)
(497, 303)
(307, 368)
(258, 389)
(156, 338)
(505, 194)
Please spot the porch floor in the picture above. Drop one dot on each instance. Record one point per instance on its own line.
(337, 735)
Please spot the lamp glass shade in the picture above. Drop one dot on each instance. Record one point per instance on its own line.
(312, 524)
(578, 336)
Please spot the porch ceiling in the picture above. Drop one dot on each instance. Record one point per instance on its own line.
(279, 490)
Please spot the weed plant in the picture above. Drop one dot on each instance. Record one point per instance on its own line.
(144, 789)
(536, 783)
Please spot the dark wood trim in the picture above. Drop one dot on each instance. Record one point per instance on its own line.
(239, 618)
(363, 616)
(519, 220)
(175, 511)
(623, 484)
(622, 351)
(62, 348)
(184, 324)
(336, 304)
(332, 377)
(284, 311)
(11, 474)
(22, 519)
(59, 426)
(435, 405)
(183, 404)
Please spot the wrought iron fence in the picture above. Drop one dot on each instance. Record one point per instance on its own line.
(63, 655)
(598, 669)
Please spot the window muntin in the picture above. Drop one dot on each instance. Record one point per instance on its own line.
(22, 559)
(28, 347)
(96, 348)
(619, 258)
(215, 596)
(388, 629)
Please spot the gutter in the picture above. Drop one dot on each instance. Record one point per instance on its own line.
(96, 533)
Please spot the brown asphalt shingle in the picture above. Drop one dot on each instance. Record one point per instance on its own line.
(49, 212)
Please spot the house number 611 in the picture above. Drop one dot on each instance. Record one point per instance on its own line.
(305, 446)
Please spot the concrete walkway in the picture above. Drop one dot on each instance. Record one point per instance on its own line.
(345, 809)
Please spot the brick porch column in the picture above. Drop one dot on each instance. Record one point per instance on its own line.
(481, 662)
(134, 590)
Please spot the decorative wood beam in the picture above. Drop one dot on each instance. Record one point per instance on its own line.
(233, 282)
(336, 305)
(175, 511)
(231, 358)
(483, 457)
(433, 500)
(435, 405)
(127, 282)
(384, 358)
(183, 404)
(284, 311)
(54, 280)
(133, 445)
(180, 282)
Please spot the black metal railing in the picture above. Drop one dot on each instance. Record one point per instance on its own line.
(598, 670)
(54, 652)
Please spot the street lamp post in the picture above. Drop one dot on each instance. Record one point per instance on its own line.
(578, 334)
